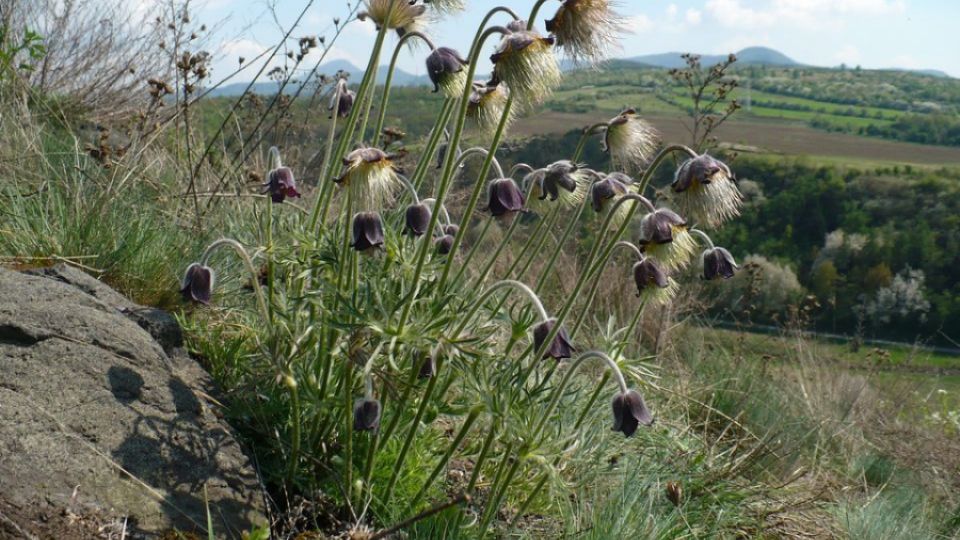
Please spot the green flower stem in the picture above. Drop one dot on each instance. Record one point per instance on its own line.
(539, 235)
(477, 467)
(534, 299)
(410, 188)
(631, 328)
(582, 143)
(483, 152)
(346, 135)
(348, 429)
(367, 102)
(476, 246)
(704, 235)
(245, 257)
(451, 448)
(412, 432)
(372, 450)
(326, 186)
(404, 398)
(585, 308)
(522, 509)
(295, 420)
(593, 399)
(491, 510)
(572, 224)
(346, 254)
(447, 175)
(568, 376)
(270, 267)
(504, 241)
(386, 85)
(435, 135)
(531, 20)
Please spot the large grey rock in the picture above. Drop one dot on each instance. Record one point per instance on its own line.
(100, 424)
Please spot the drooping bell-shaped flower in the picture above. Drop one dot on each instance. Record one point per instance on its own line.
(586, 30)
(444, 244)
(451, 229)
(341, 100)
(367, 231)
(630, 140)
(605, 192)
(417, 219)
(560, 347)
(665, 237)
(653, 283)
(525, 62)
(718, 263)
(197, 283)
(445, 67)
(428, 366)
(630, 412)
(488, 101)
(706, 191)
(281, 184)
(566, 181)
(505, 199)
(371, 175)
(406, 15)
(366, 414)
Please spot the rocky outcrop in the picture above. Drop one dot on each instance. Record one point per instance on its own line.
(105, 422)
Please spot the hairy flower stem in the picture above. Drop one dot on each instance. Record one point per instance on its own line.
(574, 221)
(568, 376)
(346, 135)
(483, 152)
(596, 285)
(245, 257)
(412, 432)
(534, 299)
(348, 430)
(411, 384)
(478, 281)
(631, 328)
(270, 266)
(705, 236)
(451, 448)
(295, 420)
(582, 143)
(447, 176)
(377, 133)
(529, 251)
(326, 186)
(477, 467)
(426, 158)
(476, 247)
(372, 448)
(491, 510)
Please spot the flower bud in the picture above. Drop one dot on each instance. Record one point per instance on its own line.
(451, 229)
(367, 231)
(445, 68)
(197, 283)
(560, 347)
(629, 412)
(417, 219)
(366, 414)
(718, 263)
(505, 198)
(281, 184)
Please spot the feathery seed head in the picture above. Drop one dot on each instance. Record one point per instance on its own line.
(705, 190)
(525, 62)
(586, 30)
(630, 140)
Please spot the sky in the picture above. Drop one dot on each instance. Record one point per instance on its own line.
(914, 34)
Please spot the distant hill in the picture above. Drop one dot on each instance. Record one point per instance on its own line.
(400, 78)
(748, 56)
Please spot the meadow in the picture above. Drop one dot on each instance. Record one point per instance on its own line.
(430, 335)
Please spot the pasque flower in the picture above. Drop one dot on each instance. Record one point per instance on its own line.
(505, 199)
(197, 283)
(281, 184)
(444, 244)
(562, 180)
(706, 191)
(525, 62)
(586, 30)
(560, 347)
(417, 219)
(653, 284)
(629, 412)
(606, 191)
(664, 236)
(366, 414)
(367, 231)
(629, 140)
(341, 99)
(406, 15)
(371, 175)
(718, 263)
(488, 101)
(445, 67)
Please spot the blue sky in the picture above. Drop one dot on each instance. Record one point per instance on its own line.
(871, 33)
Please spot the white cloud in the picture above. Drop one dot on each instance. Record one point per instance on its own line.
(639, 23)
(672, 11)
(693, 16)
(746, 14)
